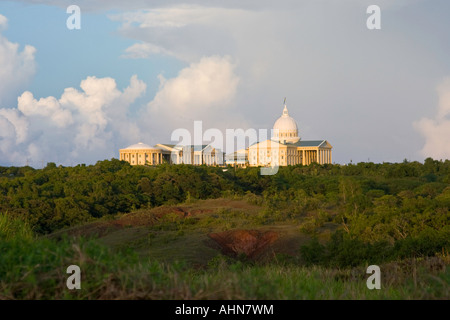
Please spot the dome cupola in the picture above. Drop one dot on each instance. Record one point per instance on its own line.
(285, 128)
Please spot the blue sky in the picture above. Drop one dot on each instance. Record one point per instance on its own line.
(140, 70)
(65, 57)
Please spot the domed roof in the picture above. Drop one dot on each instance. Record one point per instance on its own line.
(140, 145)
(285, 122)
(285, 128)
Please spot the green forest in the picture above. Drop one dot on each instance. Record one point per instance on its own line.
(377, 214)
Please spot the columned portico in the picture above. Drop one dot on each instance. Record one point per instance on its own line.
(287, 148)
(142, 154)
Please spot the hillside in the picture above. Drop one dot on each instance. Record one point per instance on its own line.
(185, 232)
(180, 232)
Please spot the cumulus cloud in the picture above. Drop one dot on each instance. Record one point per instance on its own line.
(16, 67)
(13, 118)
(199, 89)
(437, 130)
(81, 126)
(13, 132)
(204, 91)
(209, 83)
(3, 22)
(93, 122)
(46, 107)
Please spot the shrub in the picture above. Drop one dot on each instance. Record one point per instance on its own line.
(12, 228)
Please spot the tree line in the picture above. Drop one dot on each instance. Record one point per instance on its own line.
(373, 202)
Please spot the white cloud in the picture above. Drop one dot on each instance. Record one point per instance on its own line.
(3, 22)
(437, 131)
(80, 126)
(16, 67)
(93, 123)
(187, 32)
(13, 132)
(204, 91)
(205, 84)
(201, 88)
(144, 50)
(15, 120)
(46, 107)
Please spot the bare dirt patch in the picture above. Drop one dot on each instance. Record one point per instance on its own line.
(248, 242)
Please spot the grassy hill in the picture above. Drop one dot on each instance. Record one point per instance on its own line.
(172, 241)
(173, 233)
(185, 232)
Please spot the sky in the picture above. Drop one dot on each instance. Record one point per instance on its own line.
(137, 71)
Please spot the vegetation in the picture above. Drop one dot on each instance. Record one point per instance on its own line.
(36, 269)
(336, 220)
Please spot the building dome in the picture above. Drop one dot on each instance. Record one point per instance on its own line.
(285, 128)
(139, 145)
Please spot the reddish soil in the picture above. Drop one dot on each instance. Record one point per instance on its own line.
(248, 242)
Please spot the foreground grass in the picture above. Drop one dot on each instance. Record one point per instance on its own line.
(36, 269)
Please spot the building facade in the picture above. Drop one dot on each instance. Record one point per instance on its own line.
(284, 148)
(143, 154)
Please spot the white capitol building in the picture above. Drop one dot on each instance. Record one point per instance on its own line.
(283, 149)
